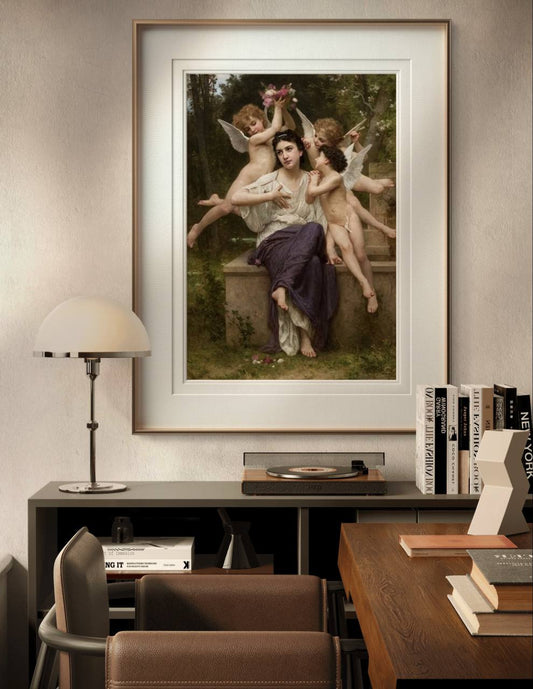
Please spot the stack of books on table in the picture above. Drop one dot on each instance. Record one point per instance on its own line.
(148, 555)
(496, 598)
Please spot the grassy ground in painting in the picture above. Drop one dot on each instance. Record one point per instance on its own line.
(212, 361)
(210, 358)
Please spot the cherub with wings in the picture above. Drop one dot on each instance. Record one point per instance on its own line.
(326, 181)
(328, 132)
(250, 133)
(350, 236)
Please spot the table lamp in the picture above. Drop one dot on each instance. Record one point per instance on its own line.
(91, 328)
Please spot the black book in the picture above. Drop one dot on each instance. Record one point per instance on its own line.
(463, 443)
(441, 452)
(524, 424)
(509, 394)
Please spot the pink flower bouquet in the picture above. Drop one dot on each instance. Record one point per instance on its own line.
(272, 93)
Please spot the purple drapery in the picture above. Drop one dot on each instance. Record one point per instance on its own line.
(295, 259)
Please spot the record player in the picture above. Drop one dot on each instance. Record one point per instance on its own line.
(313, 473)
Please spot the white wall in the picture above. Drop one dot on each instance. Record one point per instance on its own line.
(65, 224)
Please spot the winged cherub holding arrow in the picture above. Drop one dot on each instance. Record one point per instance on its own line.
(328, 132)
(250, 133)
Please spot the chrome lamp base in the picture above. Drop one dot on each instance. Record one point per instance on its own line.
(92, 487)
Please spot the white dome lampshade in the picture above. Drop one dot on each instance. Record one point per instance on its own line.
(92, 328)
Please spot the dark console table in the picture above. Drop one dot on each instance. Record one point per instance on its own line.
(302, 532)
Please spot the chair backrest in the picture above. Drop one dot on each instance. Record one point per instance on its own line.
(211, 660)
(231, 602)
(82, 607)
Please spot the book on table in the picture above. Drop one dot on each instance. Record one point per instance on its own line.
(480, 617)
(505, 577)
(450, 545)
(149, 555)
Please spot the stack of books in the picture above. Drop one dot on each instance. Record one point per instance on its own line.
(148, 555)
(450, 422)
(496, 598)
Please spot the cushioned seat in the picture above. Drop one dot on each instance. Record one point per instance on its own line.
(199, 630)
(248, 660)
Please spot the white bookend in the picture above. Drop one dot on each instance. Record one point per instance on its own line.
(499, 509)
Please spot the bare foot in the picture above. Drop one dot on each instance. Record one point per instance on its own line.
(387, 183)
(372, 305)
(334, 259)
(213, 200)
(368, 292)
(306, 348)
(279, 295)
(193, 235)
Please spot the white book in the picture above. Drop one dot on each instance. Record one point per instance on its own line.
(425, 439)
(481, 420)
(149, 554)
(452, 447)
(480, 617)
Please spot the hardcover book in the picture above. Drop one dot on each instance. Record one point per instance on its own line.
(425, 439)
(524, 424)
(452, 440)
(508, 393)
(441, 434)
(480, 617)
(437, 465)
(481, 419)
(505, 577)
(463, 443)
(450, 545)
(150, 555)
(499, 413)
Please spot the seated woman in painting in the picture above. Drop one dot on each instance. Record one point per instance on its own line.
(291, 245)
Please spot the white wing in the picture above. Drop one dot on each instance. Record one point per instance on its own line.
(355, 165)
(309, 130)
(239, 141)
(346, 139)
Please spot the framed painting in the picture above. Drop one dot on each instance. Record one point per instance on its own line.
(213, 103)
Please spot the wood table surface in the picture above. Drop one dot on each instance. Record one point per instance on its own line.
(411, 630)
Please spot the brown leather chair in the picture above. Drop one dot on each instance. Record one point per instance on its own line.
(283, 620)
(82, 607)
(231, 602)
(211, 660)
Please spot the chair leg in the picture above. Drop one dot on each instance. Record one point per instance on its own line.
(353, 652)
(45, 674)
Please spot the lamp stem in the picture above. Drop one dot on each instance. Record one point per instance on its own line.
(92, 367)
